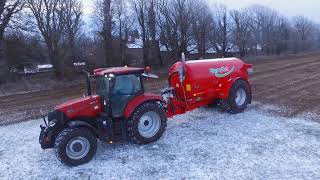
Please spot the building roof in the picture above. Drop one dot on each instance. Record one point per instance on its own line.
(117, 71)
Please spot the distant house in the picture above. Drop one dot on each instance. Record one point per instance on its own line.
(30, 68)
(44, 67)
(24, 68)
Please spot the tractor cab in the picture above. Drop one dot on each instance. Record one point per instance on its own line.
(118, 86)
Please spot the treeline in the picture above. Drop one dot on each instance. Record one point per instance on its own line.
(56, 30)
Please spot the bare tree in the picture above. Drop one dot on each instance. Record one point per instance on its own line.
(303, 26)
(124, 25)
(202, 27)
(303, 29)
(264, 23)
(141, 9)
(242, 31)
(317, 36)
(153, 16)
(221, 30)
(176, 24)
(281, 35)
(147, 12)
(72, 26)
(50, 16)
(8, 8)
(104, 19)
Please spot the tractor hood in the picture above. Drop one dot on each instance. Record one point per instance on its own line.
(89, 106)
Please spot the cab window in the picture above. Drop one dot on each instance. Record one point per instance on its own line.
(102, 86)
(127, 85)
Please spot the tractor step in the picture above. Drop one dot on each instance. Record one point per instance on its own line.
(119, 130)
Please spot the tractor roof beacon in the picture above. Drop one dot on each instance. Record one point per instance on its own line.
(116, 106)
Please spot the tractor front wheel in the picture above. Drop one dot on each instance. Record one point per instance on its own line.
(75, 146)
(147, 123)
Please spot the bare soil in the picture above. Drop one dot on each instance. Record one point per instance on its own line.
(293, 83)
(289, 81)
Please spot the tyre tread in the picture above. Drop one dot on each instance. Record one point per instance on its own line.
(133, 133)
(65, 134)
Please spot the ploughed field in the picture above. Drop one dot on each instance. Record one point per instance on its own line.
(292, 82)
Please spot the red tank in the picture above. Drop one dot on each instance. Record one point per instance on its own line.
(205, 81)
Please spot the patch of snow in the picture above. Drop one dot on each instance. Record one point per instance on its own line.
(203, 144)
(136, 45)
(192, 49)
(163, 48)
(211, 50)
(259, 47)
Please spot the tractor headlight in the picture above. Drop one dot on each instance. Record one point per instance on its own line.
(53, 122)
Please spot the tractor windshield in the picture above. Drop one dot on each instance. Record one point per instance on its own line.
(102, 86)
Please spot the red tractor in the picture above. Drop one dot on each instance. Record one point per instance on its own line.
(119, 108)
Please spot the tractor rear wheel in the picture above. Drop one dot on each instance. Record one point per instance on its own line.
(239, 98)
(75, 146)
(147, 123)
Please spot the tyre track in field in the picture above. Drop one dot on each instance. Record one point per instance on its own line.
(298, 83)
(45, 93)
(21, 107)
(295, 84)
(282, 72)
(43, 97)
(279, 60)
(291, 76)
(290, 65)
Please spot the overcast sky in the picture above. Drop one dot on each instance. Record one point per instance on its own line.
(309, 8)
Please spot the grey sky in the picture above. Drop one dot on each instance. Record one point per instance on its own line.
(309, 8)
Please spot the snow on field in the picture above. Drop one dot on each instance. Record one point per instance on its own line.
(203, 144)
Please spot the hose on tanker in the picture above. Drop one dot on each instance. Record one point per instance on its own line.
(171, 85)
(183, 90)
(183, 76)
(184, 94)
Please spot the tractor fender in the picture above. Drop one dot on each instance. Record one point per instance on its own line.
(138, 100)
(83, 124)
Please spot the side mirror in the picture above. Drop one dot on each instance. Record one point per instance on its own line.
(150, 75)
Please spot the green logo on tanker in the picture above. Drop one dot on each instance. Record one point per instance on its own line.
(222, 71)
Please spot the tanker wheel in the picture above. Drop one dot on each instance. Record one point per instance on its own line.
(239, 98)
(147, 123)
(75, 146)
